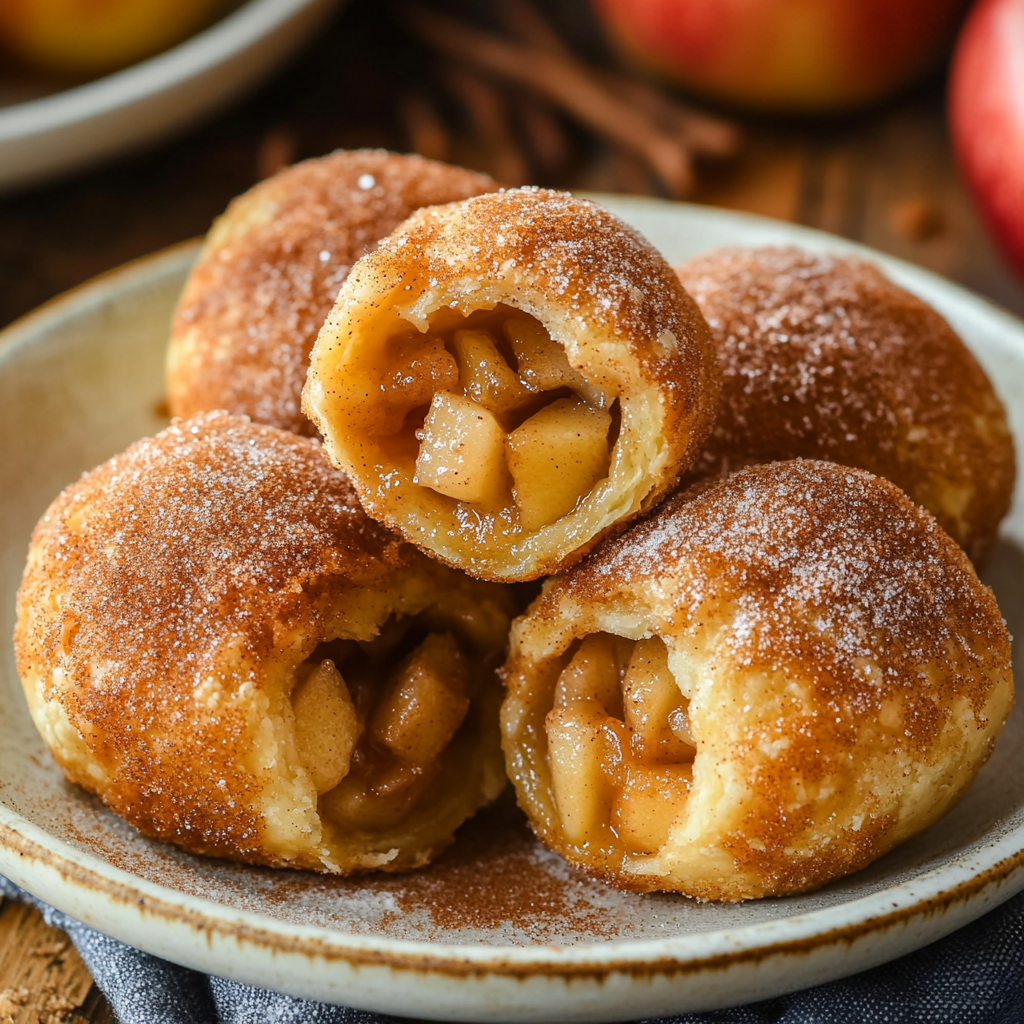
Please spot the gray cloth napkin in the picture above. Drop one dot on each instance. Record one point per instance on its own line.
(975, 976)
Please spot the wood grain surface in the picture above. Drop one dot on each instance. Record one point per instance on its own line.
(886, 178)
(42, 977)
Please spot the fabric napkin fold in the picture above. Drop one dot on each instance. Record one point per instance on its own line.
(974, 976)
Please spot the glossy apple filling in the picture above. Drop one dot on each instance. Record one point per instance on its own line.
(375, 719)
(620, 750)
(487, 410)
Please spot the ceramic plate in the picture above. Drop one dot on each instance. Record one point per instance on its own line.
(498, 929)
(42, 138)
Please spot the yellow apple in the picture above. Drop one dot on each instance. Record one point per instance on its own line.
(93, 37)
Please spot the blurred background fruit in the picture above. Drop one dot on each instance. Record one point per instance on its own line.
(528, 97)
(792, 56)
(986, 111)
(93, 37)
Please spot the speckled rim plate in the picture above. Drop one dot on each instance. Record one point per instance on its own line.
(82, 376)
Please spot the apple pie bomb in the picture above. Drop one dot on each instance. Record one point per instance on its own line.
(218, 642)
(824, 357)
(509, 378)
(760, 688)
(270, 271)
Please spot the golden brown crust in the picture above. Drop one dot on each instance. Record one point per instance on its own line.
(846, 675)
(169, 595)
(825, 358)
(599, 290)
(271, 270)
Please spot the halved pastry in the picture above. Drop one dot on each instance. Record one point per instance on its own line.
(510, 378)
(271, 269)
(215, 640)
(825, 358)
(758, 689)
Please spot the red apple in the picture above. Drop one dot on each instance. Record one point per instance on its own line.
(785, 55)
(986, 113)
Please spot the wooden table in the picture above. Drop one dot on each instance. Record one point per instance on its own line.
(886, 179)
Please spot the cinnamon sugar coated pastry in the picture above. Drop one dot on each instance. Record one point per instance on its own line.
(270, 272)
(824, 357)
(217, 641)
(756, 690)
(510, 378)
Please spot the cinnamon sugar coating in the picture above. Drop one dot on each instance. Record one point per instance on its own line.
(842, 672)
(634, 342)
(271, 269)
(173, 599)
(824, 357)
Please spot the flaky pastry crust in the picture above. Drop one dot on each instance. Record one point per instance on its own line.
(635, 344)
(271, 269)
(840, 675)
(824, 357)
(175, 601)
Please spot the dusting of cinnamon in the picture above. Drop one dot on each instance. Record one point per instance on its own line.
(271, 270)
(601, 293)
(824, 357)
(168, 597)
(847, 673)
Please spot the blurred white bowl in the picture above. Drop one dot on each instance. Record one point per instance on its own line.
(47, 137)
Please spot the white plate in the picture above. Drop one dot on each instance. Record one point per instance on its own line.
(42, 138)
(498, 929)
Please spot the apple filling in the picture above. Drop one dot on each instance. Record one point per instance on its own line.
(491, 414)
(374, 720)
(620, 750)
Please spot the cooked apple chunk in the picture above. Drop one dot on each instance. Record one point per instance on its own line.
(581, 747)
(326, 725)
(462, 451)
(549, 307)
(376, 732)
(286, 678)
(403, 377)
(543, 364)
(613, 756)
(555, 458)
(417, 718)
(646, 803)
(374, 798)
(655, 709)
(783, 721)
(596, 672)
(484, 375)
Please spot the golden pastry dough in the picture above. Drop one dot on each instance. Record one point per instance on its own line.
(271, 269)
(216, 640)
(756, 690)
(510, 378)
(825, 358)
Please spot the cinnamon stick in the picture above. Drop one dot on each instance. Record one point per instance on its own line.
(566, 81)
(276, 151)
(490, 118)
(544, 133)
(424, 129)
(702, 132)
